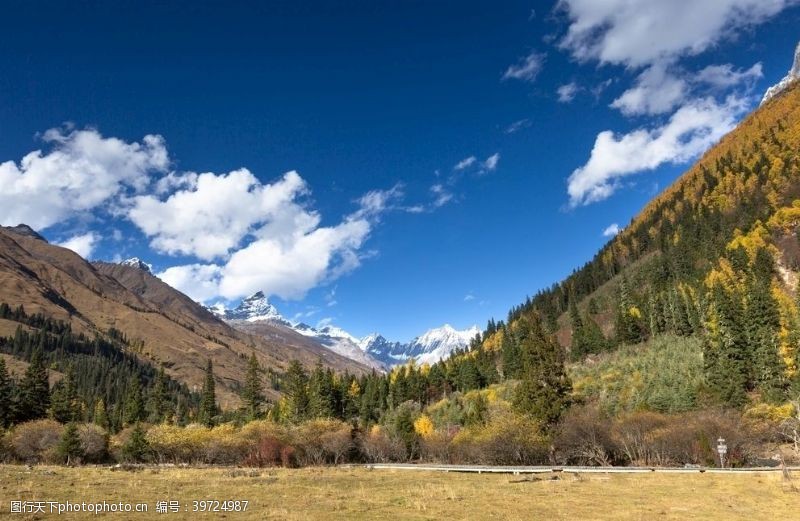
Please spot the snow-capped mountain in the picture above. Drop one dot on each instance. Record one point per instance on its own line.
(373, 350)
(136, 262)
(254, 308)
(791, 76)
(257, 308)
(430, 347)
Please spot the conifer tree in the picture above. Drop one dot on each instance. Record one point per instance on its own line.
(509, 350)
(70, 448)
(207, 412)
(5, 395)
(296, 391)
(320, 394)
(100, 416)
(158, 402)
(34, 390)
(253, 393)
(133, 411)
(544, 389)
(64, 406)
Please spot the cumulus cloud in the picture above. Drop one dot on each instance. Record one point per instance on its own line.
(611, 230)
(84, 245)
(526, 69)
(286, 258)
(567, 92)
(656, 91)
(689, 131)
(724, 76)
(199, 281)
(210, 218)
(639, 33)
(78, 171)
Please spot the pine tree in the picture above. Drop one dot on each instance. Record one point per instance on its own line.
(158, 403)
(509, 350)
(207, 412)
(65, 406)
(253, 393)
(70, 448)
(133, 411)
(100, 416)
(296, 391)
(320, 394)
(5, 395)
(137, 448)
(544, 389)
(34, 390)
(629, 322)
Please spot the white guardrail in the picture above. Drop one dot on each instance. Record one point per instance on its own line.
(480, 469)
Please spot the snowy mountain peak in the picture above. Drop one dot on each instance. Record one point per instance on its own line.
(791, 76)
(430, 347)
(254, 308)
(136, 262)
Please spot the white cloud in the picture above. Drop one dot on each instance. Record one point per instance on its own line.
(567, 92)
(465, 163)
(490, 164)
(83, 245)
(611, 230)
(657, 90)
(689, 131)
(212, 216)
(469, 297)
(724, 76)
(199, 281)
(81, 171)
(517, 126)
(526, 69)
(638, 33)
(441, 195)
(286, 260)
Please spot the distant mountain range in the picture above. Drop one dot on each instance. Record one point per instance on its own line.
(373, 350)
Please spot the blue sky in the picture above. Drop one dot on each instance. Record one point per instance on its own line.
(168, 132)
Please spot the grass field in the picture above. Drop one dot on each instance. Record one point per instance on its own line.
(339, 493)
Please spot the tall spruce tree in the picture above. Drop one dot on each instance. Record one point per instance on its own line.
(207, 412)
(34, 390)
(158, 402)
(295, 389)
(133, 408)
(5, 396)
(544, 389)
(65, 406)
(253, 391)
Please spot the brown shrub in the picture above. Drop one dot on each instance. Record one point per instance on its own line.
(269, 451)
(378, 447)
(94, 442)
(584, 438)
(322, 441)
(36, 441)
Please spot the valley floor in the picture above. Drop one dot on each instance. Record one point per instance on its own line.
(355, 493)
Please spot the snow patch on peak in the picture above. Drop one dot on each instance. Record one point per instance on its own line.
(254, 308)
(791, 77)
(136, 262)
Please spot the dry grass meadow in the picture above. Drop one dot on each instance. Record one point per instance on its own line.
(356, 493)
